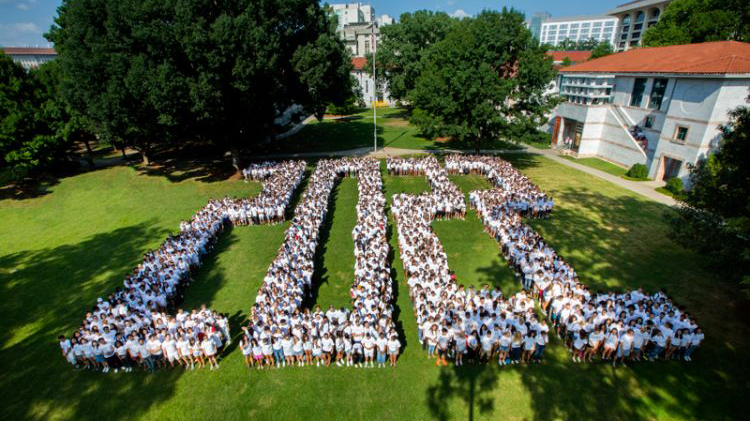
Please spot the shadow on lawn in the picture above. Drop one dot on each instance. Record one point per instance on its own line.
(473, 384)
(52, 290)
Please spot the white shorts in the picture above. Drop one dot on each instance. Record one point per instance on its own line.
(369, 353)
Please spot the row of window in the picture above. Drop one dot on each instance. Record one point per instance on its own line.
(641, 16)
(552, 27)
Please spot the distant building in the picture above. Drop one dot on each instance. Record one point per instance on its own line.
(30, 58)
(360, 30)
(535, 23)
(659, 106)
(556, 30)
(633, 19)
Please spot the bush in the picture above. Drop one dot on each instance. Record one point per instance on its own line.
(674, 185)
(637, 171)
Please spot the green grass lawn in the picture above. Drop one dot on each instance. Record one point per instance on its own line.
(356, 131)
(62, 250)
(600, 164)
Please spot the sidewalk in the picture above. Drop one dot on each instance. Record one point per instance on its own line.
(644, 188)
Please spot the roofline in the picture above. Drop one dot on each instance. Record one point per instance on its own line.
(635, 5)
(567, 71)
(580, 18)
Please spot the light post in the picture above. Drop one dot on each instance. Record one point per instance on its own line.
(374, 96)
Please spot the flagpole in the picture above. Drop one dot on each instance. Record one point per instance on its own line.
(374, 95)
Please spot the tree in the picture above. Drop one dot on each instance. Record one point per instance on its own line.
(485, 80)
(151, 72)
(566, 61)
(602, 49)
(404, 44)
(715, 216)
(121, 60)
(31, 119)
(694, 21)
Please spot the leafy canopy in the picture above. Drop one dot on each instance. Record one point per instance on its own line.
(694, 21)
(485, 80)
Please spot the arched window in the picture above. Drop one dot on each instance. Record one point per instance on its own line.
(639, 17)
(626, 20)
(655, 12)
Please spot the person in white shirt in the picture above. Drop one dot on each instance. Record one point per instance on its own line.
(625, 347)
(529, 345)
(695, 341)
(210, 350)
(394, 346)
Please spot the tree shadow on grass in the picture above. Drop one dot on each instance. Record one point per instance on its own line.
(51, 290)
(320, 272)
(473, 384)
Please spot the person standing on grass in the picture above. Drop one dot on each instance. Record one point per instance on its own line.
(695, 341)
(247, 350)
(394, 346)
(443, 347)
(529, 346)
(504, 342)
(625, 347)
(610, 344)
(197, 351)
(381, 346)
(210, 351)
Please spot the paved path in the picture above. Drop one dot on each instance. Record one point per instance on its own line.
(644, 188)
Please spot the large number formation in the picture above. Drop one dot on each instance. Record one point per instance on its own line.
(131, 326)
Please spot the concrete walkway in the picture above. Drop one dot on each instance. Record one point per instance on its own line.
(644, 188)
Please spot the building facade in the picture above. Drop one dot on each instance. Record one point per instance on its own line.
(535, 23)
(659, 106)
(30, 58)
(633, 19)
(600, 28)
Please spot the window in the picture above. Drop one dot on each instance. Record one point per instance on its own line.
(609, 24)
(573, 26)
(655, 14)
(680, 134)
(657, 93)
(597, 24)
(636, 35)
(649, 122)
(585, 25)
(637, 26)
(638, 87)
(626, 20)
(564, 26)
(640, 16)
(621, 45)
(624, 36)
(634, 43)
(367, 47)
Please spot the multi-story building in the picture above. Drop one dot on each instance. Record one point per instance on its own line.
(601, 28)
(633, 19)
(30, 58)
(659, 106)
(535, 23)
(360, 30)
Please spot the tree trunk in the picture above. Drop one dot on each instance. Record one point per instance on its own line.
(236, 161)
(477, 144)
(144, 155)
(89, 152)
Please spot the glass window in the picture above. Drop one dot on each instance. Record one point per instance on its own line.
(655, 13)
(597, 24)
(637, 26)
(586, 25)
(573, 26)
(636, 35)
(621, 45)
(564, 26)
(626, 20)
(637, 96)
(624, 36)
(609, 24)
(681, 133)
(649, 122)
(657, 93)
(552, 27)
(634, 43)
(640, 16)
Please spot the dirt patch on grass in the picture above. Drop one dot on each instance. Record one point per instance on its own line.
(397, 123)
(443, 139)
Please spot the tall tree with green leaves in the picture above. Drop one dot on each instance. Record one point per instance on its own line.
(694, 21)
(714, 218)
(485, 80)
(251, 60)
(122, 62)
(403, 45)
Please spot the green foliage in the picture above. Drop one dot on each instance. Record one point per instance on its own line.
(35, 122)
(566, 61)
(485, 80)
(571, 45)
(151, 72)
(715, 216)
(694, 21)
(404, 44)
(602, 49)
(638, 171)
(674, 185)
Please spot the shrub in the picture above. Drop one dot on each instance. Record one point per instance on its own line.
(638, 171)
(674, 185)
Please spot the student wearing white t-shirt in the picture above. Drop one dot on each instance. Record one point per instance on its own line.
(381, 345)
(695, 341)
(247, 350)
(368, 347)
(210, 351)
(394, 346)
(625, 347)
(529, 345)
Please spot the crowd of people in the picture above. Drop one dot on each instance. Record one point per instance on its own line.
(457, 322)
(131, 328)
(281, 332)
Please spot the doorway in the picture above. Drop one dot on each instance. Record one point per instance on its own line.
(670, 168)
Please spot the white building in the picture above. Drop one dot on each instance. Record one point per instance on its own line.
(633, 19)
(30, 58)
(658, 106)
(601, 28)
(360, 30)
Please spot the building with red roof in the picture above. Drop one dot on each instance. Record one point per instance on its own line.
(659, 106)
(575, 57)
(29, 57)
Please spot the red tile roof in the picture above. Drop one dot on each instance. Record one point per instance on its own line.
(721, 57)
(574, 56)
(29, 51)
(359, 62)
